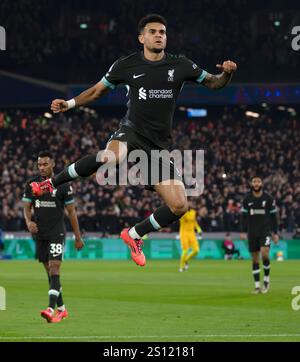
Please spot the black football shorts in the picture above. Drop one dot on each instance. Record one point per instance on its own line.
(157, 169)
(257, 242)
(47, 250)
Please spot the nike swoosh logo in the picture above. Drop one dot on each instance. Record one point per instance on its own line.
(55, 255)
(137, 76)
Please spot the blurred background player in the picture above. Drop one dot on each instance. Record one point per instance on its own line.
(259, 219)
(188, 226)
(48, 229)
(229, 248)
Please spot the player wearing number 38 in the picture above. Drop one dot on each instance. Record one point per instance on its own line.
(46, 224)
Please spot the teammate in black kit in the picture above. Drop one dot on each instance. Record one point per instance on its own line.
(48, 229)
(259, 219)
(154, 80)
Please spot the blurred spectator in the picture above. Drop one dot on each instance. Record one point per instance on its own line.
(297, 234)
(229, 248)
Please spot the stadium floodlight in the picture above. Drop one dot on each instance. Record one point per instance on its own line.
(48, 115)
(292, 111)
(252, 114)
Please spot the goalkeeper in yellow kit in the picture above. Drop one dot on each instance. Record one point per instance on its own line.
(187, 233)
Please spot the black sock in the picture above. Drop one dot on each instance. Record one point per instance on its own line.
(256, 273)
(84, 167)
(161, 217)
(54, 291)
(60, 301)
(267, 267)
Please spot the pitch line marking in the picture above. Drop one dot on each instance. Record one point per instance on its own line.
(130, 337)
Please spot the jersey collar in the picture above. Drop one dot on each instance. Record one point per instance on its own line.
(152, 62)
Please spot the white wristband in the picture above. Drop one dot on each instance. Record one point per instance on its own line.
(71, 103)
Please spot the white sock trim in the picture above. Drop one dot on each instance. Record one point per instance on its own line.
(154, 223)
(72, 172)
(133, 234)
(53, 292)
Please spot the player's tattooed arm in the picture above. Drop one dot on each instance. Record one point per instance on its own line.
(218, 81)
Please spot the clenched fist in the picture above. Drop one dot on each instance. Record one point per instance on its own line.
(228, 66)
(59, 105)
(79, 243)
(32, 227)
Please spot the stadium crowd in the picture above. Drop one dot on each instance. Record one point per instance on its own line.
(53, 40)
(236, 147)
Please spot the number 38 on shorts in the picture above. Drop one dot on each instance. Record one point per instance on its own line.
(56, 250)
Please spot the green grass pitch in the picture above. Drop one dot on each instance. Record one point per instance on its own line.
(119, 301)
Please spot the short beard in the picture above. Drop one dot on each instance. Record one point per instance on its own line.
(156, 50)
(256, 190)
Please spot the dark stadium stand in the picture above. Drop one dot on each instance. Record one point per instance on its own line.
(80, 40)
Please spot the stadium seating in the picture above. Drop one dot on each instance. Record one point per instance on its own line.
(79, 41)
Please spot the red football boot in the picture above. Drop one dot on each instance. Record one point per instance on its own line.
(40, 188)
(60, 315)
(47, 314)
(135, 246)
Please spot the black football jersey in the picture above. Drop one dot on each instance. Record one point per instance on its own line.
(153, 88)
(259, 214)
(49, 209)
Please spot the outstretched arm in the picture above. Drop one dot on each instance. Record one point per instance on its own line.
(218, 81)
(87, 96)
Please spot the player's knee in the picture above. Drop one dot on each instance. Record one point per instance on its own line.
(115, 152)
(54, 267)
(179, 207)
(265, 259)
(184, 252)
